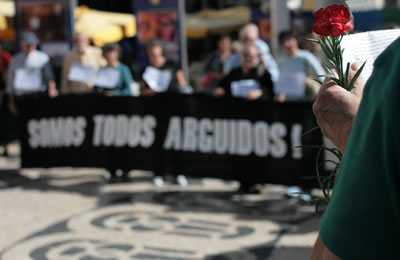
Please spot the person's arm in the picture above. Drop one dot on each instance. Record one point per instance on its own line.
(315, 66)
(64, 74)
(224, 86)
(271, 65)
(12, 107)
(336, 108)
(126, 78)
(145, 90)
(50, 80)
(266, 92)
(180, 77)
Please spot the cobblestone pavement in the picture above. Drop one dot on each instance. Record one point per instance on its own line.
(75, 214)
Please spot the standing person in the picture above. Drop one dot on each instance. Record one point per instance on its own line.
(112, 80)
(362, 219)
(162, 75)
(115, 78)
(80, 66)
(214, 67)
(249, 35)
(251, 81)
(5, 117)
(298, 69)
(5, 60)
(30, 73)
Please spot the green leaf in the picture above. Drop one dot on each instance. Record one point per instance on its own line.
(319, 175)
(311, 130)
(347, 76)
(318, 81)
(353, 81)
(312, 40)
(326, 50)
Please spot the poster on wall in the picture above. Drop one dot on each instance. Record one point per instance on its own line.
(50, 20)
(158, 19)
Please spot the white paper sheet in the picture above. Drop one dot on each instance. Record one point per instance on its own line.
(292, 84)
(367, 46)
(28, 79)
(107, 78)
(156, 79)
(81, 73)
(242, 88)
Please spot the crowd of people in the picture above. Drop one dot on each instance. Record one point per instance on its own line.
(242, 69)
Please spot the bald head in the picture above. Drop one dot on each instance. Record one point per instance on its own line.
(249, 34)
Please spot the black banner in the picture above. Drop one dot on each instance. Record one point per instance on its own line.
(194, 135)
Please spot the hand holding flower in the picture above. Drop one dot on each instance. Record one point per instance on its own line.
(331, 24)
(336, 109)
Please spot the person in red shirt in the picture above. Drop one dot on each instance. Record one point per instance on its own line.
(5, 60)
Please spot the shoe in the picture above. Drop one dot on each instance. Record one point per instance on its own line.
(182, 180)
(158, 181)
(125, 176)
(305, 197)
(293, 192)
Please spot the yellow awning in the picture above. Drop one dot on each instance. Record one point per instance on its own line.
(7, 11)
(104, 27)
(7, 8)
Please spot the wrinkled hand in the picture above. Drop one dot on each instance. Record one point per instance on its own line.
(148, 92)
(53, 93)
(336, 109)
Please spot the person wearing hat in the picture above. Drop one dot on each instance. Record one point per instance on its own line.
(30, 73)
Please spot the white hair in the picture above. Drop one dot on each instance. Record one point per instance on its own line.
(248, 28)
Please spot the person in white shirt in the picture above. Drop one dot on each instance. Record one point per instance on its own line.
(30, 73)
(298, 69)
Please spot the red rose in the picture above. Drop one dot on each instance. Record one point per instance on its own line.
(332, 21)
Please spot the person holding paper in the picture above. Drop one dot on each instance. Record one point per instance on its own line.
(362, 219)
(30, 73)
(162, 74)
(114, 79)
(251, 80)
(214, 67)
(80, 66)
(249, 35)
(298, 69)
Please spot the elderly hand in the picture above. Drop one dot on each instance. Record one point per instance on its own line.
(336, 109)
(254, 94)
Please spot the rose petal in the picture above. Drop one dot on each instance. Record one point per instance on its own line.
(334, 20)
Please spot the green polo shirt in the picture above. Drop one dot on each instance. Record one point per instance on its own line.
(363, 217)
